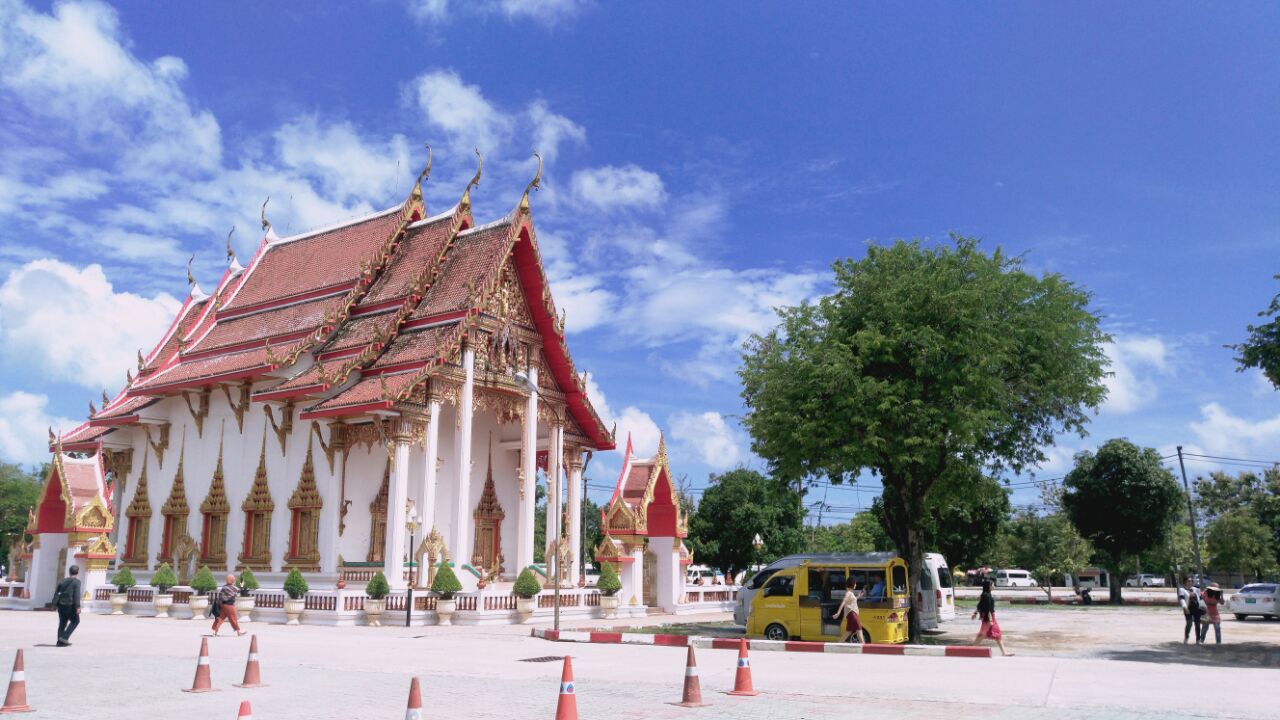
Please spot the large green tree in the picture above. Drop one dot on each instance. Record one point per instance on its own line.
(923, 361)
(863, 533)
(1123, 500)
(19, 490)
(734, 508)
(1239, 542)
(964, 515)
(1047, 545)
(1262, 349)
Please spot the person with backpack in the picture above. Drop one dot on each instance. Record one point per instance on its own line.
(66, 600)
(224, 606)
(1192, 609)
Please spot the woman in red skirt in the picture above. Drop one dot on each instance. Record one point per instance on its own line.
(987, 609)
(849, 611)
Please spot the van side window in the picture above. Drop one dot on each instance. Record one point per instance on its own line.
(780, 587)
(761, 577)
(899, 579)
(944, 577)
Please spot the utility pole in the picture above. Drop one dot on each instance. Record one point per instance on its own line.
(1191, 512)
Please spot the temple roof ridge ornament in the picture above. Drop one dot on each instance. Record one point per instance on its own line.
(534, 184)
(196, 293)
(233, 263)
(270, 232)
(475, 181)
(416, 193)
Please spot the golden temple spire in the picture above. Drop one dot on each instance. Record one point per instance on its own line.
(266, 224)
(142, 364)
(475, 181)
(534, 184)
(422, 176)
(191, 279)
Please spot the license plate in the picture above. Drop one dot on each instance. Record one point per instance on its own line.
(1249, 601)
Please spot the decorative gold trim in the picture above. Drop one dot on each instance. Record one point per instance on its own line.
(285, 427)
(238, 408)
(162, 433)
(198, 417)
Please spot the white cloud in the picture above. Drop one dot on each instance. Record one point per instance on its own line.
(714, 441)
(547, 12)
(24, 423)
(632, 421)
(72, 324)
(1134, 360)
(461, 111)
(1223, 433)
(585, 302)
(613, 188)
(345, 165)
(550, 130)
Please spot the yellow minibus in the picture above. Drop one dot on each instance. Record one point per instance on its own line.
(799, 603)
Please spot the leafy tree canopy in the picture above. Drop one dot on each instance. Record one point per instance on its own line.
(1262, 348)
(1047, 545)
(862, 533)
(1123, 500)
(19, 491)
(919, 360)
(1239, 542)
(734, 508)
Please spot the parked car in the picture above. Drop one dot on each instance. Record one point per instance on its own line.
(1014, 577)
(1144, 580)
(1255, 599)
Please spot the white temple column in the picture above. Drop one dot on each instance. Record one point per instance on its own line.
(427, 503)
(397, 495)
(555, 491)
(460, 545)
(528, 478)
(328, 539)
(573, 461)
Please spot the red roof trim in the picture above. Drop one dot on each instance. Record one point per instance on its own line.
(86, 446)
(395, 368)
(246, 345)
(336, 289)
(378, 307)
(291, 392)
(116, 420)
(207, 380)
(348, 410)
(435, 319)
(337, 354)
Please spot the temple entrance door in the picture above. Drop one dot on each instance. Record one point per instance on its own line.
(486, 543)
(650, 579)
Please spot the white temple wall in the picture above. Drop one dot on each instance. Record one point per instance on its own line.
(365, 467)
(447, 478)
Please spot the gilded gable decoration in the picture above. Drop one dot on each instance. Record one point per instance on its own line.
(285, 426)
(139, 515)
(304, 506)
(198, 416)
(215, 509)
(160, 444)
(239, 407)
(258, 507)
(175, 510)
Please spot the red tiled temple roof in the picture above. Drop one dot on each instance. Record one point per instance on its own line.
(321, 259)
(122, 406)
(421, 246)
(413, 346)
(477, 256)
(221, 367)
(357, 332)
(299, 317)
(83, 438)
(368, 393)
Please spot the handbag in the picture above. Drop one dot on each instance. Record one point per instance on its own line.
(994, 631)
(215, 607)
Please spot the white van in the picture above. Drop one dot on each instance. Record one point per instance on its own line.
(1013, 577)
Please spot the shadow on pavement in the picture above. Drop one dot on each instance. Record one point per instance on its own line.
(1248, 654)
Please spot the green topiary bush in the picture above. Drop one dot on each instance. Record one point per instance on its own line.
(203, 582)
(295, 586)
(609, 582)
(377, 587)
(164, 579)
(123, 580)
(446, 583)
(248, 583)
(527, 585)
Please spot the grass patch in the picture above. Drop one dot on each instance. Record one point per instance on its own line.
(709, 629)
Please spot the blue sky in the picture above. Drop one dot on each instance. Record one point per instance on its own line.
(705, 163)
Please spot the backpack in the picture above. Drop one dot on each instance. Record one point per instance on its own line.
(215, 607)
(1193, 601)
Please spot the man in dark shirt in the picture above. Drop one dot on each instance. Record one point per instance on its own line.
(66, 599)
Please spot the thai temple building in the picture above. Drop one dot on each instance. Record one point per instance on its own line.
(319, 399)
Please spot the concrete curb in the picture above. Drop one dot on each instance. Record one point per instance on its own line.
(715, 643)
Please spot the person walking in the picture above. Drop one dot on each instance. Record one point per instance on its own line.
(848, 610)
(987, 610)
(225, 601)
(1212, 599)
(66, 599)
(1192, 605)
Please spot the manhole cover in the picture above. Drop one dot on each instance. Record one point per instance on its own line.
(544, 658)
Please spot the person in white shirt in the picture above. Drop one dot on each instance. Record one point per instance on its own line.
(1192, 609)
(849, 611)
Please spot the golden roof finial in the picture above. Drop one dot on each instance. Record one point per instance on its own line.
(105, 400)
(128, 377)
(266, 224)
(141, 363)
(191, 279)
(534, 184)
(475, 181)
(231, 254)
(426, 171)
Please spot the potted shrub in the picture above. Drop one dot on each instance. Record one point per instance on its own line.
(526, 591)
(377, 590)
(162, 581)
(446, 585)
(123, 580)
(201, 585)
(244, 601)
(295, 586)
(609, 585)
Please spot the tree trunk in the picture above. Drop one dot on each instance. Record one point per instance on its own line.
(1116, 584)
(915, 569)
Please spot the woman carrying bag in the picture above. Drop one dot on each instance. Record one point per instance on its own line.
(990, 628)
(849, 611)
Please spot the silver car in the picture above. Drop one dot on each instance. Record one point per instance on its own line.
(1144, 580)
(1255, 599)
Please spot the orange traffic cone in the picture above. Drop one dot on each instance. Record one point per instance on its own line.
(567, 705)
(742, 682)
(414, 709)
(252, 673)
(15, 699)
(246, 711)
(692, 697)
(202, 682)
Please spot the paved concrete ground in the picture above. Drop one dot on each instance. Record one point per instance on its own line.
(130, 667)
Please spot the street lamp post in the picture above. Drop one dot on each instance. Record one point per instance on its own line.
(411, 523)
(758, 543)
(522, 379)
